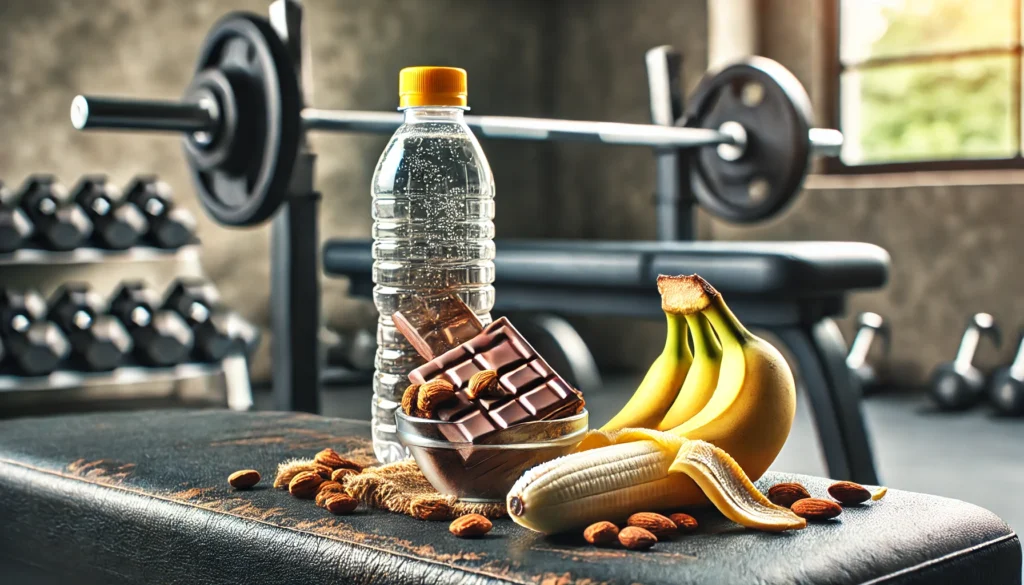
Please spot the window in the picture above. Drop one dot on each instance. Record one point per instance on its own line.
(929, 84)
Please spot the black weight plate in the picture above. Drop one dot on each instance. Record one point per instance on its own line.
(247, 186)
(774, 110)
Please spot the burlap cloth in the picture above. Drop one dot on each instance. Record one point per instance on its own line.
(401, 487)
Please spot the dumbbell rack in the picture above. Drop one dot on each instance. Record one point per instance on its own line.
(231, 373)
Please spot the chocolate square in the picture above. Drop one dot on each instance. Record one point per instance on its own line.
(535, 391)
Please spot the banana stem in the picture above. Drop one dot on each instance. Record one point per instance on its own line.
(704, 340)
(725, 322)
(676, 343)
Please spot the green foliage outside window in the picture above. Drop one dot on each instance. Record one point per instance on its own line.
(949, 108)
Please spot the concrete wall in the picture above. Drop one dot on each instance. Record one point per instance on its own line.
(52, 49)
(953, 246)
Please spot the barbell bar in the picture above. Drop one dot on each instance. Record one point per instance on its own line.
(94, 112)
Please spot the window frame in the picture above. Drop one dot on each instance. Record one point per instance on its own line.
(834, 69)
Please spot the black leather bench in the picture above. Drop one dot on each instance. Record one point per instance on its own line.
(142, 498)
(793, 289)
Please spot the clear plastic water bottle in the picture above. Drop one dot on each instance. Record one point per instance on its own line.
(433, 206)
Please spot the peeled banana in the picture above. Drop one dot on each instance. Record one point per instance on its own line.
(645, 470)
(732, 438)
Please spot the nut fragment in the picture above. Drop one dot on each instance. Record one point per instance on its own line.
(785, 494)
(636, 538)
(684, 522)
(409, 399)
(816, 509)
(304, 485)
(470, 525)
(849, 493)
(484, 384)
(341, 473)
(244, 479)
(602, 533)
(433, 394)
(656, 524)
(341, 504)
(430, 508)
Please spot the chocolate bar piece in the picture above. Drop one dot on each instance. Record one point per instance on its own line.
(535, 391)
(437, 323)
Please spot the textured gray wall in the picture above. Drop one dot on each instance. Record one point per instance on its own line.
(954, 248)
(52, 49)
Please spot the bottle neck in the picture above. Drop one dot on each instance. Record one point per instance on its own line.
(420, 114)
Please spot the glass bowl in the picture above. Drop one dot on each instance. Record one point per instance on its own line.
(486, 470)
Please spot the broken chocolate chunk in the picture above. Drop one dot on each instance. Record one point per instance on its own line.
(437, 323)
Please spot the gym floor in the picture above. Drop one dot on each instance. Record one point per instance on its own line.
(970, 456)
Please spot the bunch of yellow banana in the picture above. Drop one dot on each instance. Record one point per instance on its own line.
(697, 429)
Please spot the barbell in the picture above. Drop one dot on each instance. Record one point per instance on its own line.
(243, 121)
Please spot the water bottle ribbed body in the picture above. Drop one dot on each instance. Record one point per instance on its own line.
(433, 230)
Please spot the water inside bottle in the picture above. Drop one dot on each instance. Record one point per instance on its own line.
(433, 206)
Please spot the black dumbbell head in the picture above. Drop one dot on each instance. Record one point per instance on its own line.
(59, 224)
(165, 341)
(188, 296)
(130, 297)
(117, 224)
(15, 227)
(39, 349)
(1006, 393)
(953, 389)
(98, 342)
(170, 227)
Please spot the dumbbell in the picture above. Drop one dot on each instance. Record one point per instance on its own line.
(117, 225)
(59, 224)
(170, 227)
(161, 338)
(198, 302)
(99, 342)
(1006, 391)
(958, 385)
(869, 326)
(35, 345)
(15, 228)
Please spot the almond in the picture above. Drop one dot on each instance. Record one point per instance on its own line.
(433, 394)
(322, 470)
(331, 459)
(340, 474)
(244, 479)
(484, 384)
(684, 522)
(409, 399)
(326, 490)
(289, 469)
(656, 524)
(849, 493)
(470, 526)
(601, 533)
(785, 494)
(304, 485)
(636, 538)
(340, 504)
(430, 508)
(816, 509)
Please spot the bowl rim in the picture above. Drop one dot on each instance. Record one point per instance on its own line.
(413, 440)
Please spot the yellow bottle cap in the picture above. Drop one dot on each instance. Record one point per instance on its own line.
(432, 86)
